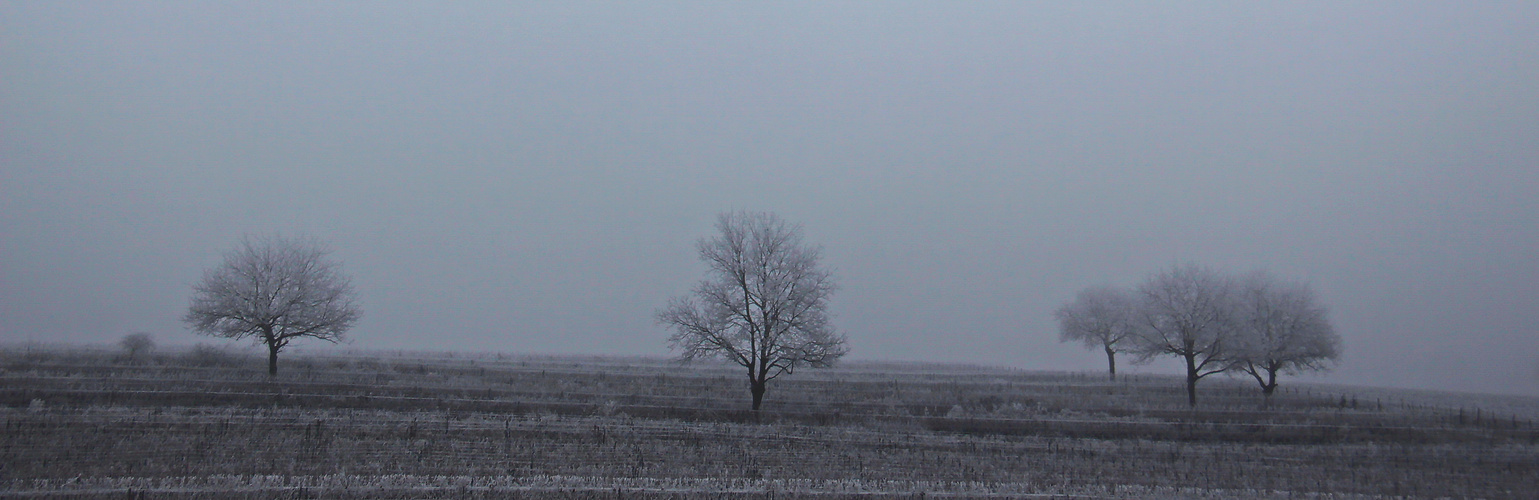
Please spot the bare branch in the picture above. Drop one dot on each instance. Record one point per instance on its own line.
(274, 290)
(1281, 329)
(763, 305)
(1186, 311)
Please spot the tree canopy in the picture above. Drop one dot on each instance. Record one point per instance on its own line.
(763, 304)
(275, 290)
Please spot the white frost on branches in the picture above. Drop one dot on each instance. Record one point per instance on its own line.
(1281, 328)
(1101, 317)
(274, 290)
(763, 305)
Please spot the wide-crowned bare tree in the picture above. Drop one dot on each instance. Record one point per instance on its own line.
(1281, 328)
(1100, 317)
(1186, 312)
(763, 304)
(274, 290)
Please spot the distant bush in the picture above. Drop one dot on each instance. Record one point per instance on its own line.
(210, 356)
(369, 364)
(32, 353)
(137, 344)
(307, 363)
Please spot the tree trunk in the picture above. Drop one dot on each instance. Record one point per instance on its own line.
(1269, 387)
(1191, 380)
(1111, 363)
(1266, 389)
(272, 360)
(757, 386)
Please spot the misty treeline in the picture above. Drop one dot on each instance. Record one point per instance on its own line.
(1254, 325)
(764, 305)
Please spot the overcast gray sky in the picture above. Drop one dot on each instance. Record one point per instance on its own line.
(533, 177)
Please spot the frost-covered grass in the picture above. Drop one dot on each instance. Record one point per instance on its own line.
(414, 425)
(412, 486)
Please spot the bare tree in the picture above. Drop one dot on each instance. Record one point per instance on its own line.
(137, 343)
(763, 305)
(1281, 329)
(274, 290)
(1100, 317)
(1186, 312)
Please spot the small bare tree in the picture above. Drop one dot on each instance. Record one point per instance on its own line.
(137, 343)
(1100, 317)
(274, 290)
(1281, 329)
(1186, 312)
(763, 305)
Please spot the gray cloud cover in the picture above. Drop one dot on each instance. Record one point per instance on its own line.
(533, 177)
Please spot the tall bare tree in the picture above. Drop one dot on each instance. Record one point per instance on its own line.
(1100, 317)
(1281, 328)
(763, 304)
(274, 290)
(1186, 312)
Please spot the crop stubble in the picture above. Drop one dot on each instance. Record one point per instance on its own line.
(373, 424)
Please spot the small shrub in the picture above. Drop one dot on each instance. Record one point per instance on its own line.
(208, 356)
(369, 364)
(137, 344)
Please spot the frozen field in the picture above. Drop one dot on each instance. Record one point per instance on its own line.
(85, 424)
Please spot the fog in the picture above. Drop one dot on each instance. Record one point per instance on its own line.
(533, 178)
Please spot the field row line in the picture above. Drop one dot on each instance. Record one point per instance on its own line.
(876, 386)
(493, 452)
(1244, 408)
(559, 397)
(691, 409)
(678, 430)
(558, 483)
